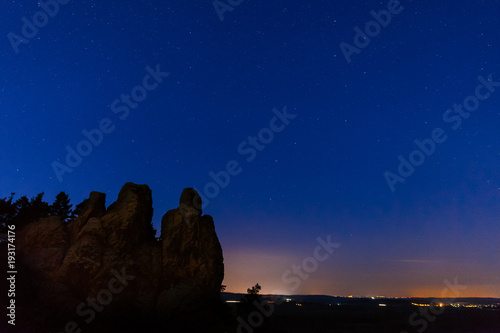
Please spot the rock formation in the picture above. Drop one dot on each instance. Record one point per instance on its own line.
(105, 271)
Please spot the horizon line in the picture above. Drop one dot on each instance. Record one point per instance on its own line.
(359, 296)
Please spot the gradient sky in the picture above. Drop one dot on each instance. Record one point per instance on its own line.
(323, 174)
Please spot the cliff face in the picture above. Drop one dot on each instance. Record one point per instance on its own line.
(106, 266)
(190, 275)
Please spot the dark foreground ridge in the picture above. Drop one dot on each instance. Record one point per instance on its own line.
(105, 271)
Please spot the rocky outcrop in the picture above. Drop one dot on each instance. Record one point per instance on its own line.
(105, 271)
(190, 276)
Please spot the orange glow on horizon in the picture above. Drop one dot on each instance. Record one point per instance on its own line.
(244, 268)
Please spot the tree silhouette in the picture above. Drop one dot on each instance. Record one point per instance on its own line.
(252, 294)
(250, 304)
(24, 211)
(79, 208)
(7, 214)
(255, 289)
(28, 211)
(61, 206)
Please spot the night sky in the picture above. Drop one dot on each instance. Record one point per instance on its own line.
(302, 111)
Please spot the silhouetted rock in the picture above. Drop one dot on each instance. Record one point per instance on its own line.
(192, 269)
(95, 206)
(111, 257)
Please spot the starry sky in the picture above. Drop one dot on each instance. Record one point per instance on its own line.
(373, 124)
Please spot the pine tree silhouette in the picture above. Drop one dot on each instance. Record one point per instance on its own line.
(61, 206)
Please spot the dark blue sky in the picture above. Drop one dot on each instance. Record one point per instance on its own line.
(321, 174)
